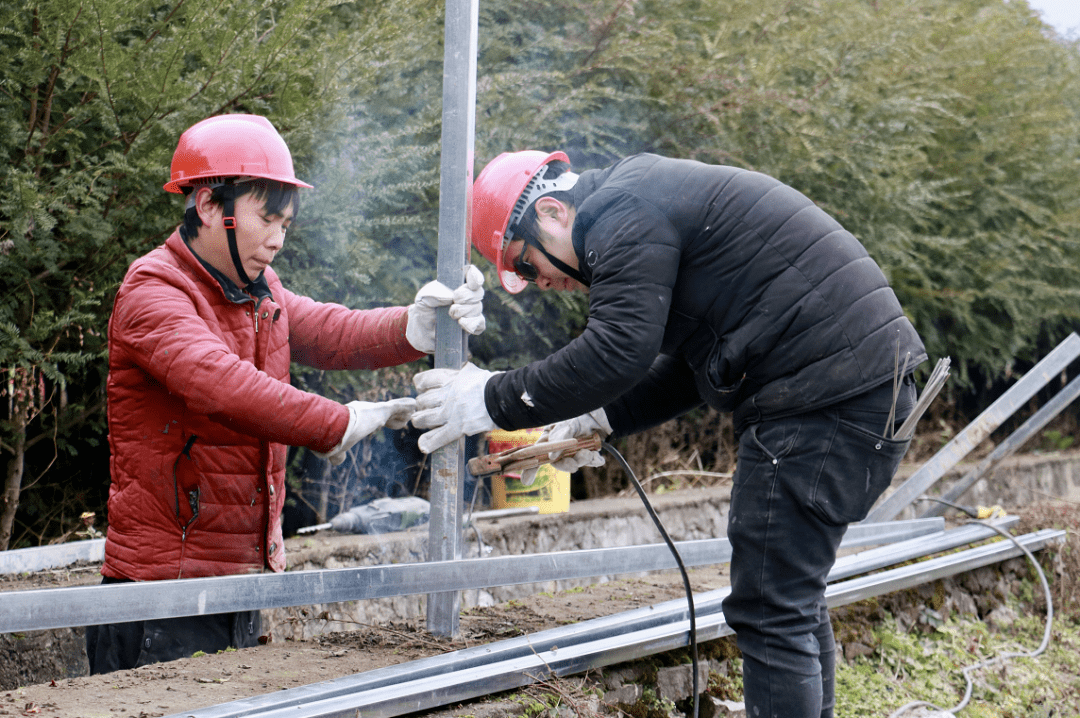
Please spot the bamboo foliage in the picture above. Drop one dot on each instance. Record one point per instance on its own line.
(944, 133)
(93, 95)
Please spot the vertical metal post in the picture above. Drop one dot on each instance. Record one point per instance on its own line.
(455, 187)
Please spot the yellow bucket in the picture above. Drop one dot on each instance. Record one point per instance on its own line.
(550, 492)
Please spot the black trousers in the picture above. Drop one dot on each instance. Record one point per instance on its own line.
(798, 483)
(120, 646)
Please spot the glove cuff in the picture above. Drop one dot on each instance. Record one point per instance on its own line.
(600, 417)
(420, 328)
(336, 455)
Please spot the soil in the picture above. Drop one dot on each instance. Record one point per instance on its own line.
(167, 688)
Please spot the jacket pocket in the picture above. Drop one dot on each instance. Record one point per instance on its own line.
(186, 486)
(720, 390)
(862, 467)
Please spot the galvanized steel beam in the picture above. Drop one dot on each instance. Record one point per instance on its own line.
(413, 692)
(41, 609)
(1007, 448)
(588, 631)
(888, 532)
(455, 188)
(41, 558)
(873, 559)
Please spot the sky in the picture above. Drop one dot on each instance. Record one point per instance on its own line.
(1063, 15)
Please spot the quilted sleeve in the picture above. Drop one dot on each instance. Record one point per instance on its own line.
(330, 336)
(178, 338)
(635, 252)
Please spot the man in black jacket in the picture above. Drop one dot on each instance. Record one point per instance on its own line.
(708, 284)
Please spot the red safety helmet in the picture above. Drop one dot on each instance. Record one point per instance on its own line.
(231, 146)
(495, 193)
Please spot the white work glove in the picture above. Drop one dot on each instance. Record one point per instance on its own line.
(595, 422)
(451, 404)
(465, 308)
(364, 418)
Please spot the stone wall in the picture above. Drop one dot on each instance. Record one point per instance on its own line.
(1016, 481)
(601, 523)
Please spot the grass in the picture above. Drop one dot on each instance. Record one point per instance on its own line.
(914, 666)
(925, 662)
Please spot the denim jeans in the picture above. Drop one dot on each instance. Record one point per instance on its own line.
(798, 483)
(120, 646)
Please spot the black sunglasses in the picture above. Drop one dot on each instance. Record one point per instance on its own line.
(525, 270)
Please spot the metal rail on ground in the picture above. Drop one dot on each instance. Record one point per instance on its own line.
(1006, 405)
(596, 629)
(873, 559)
(41, 609)
(449, 679)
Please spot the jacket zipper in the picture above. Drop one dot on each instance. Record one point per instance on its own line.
(258, 303)
(192, 497)
(265, 453)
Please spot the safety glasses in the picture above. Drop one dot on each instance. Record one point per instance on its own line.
(525, 270)
(530, 273)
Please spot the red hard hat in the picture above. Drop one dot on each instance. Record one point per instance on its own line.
(231, 146)
(494, 195)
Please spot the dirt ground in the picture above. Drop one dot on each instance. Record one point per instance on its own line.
(191, 683)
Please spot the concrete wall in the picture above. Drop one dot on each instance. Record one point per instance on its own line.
(1017, 481)
(601, 523)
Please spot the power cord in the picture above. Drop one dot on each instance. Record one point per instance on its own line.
(481, 547)
(1002, 656)
(975, 512)
(678, 560)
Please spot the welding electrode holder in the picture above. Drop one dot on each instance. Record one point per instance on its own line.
(518, 459)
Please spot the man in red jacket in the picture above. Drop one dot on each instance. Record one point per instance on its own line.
(200, 405)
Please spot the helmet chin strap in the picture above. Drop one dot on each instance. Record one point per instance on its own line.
(556, 262)
(228, 197)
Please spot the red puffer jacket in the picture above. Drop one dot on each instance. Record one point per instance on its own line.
(201, 411)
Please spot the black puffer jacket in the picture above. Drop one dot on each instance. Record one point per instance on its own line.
(710, 284)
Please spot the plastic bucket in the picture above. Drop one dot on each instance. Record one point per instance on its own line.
(550, 492)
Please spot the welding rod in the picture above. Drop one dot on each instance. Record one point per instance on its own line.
(929, 393)
(474, 516)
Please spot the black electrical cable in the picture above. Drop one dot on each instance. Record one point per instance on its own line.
(678, 560)
(971, 512)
